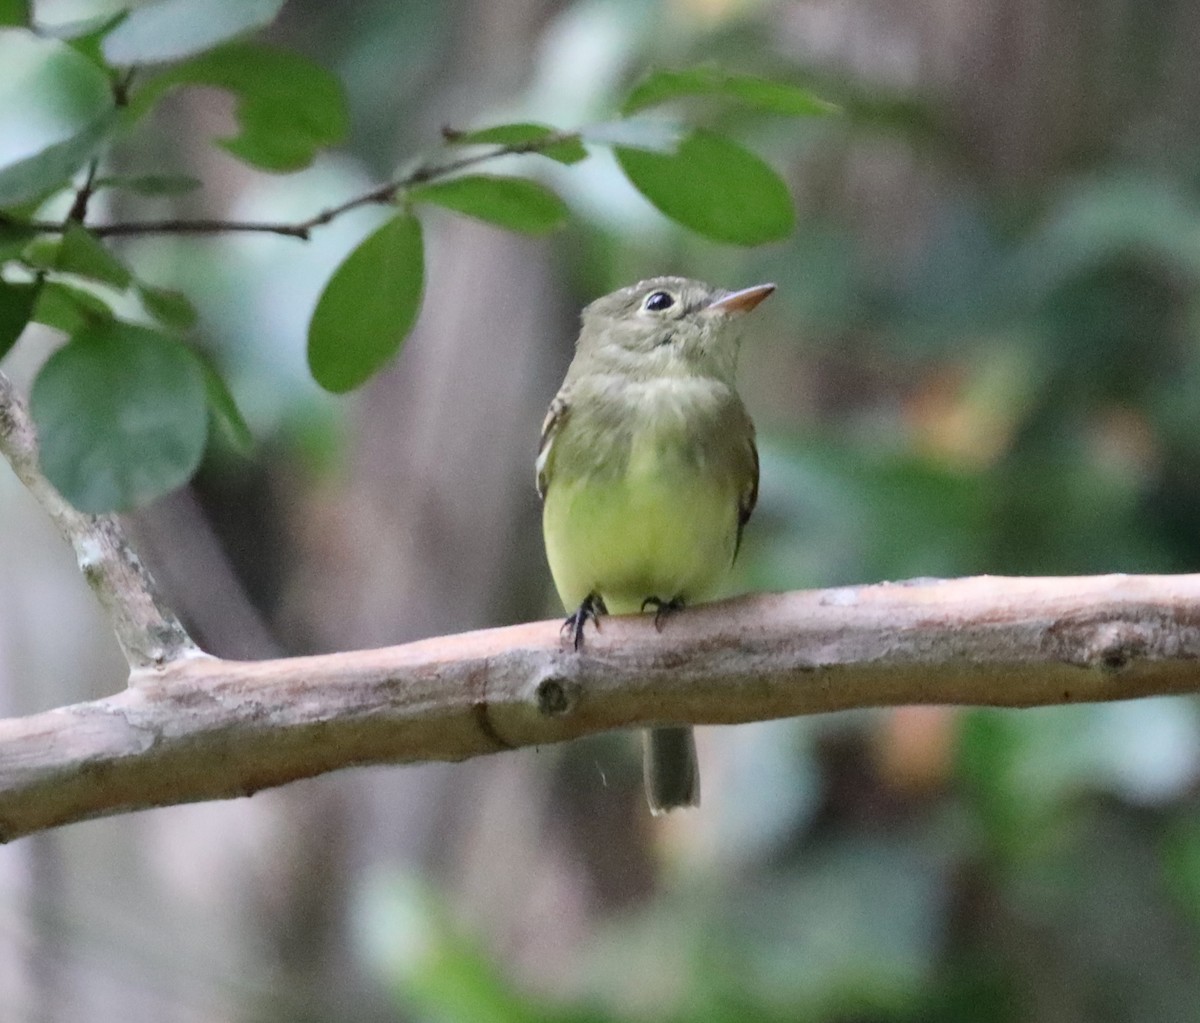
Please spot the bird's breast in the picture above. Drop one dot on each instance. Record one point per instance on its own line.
(644, 500)
(645, 428)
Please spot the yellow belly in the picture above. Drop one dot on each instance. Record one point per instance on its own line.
(653, 533)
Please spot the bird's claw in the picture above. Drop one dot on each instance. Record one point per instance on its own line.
(591, 608)
(662, 609)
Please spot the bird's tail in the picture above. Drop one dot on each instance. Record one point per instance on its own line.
(671, 771)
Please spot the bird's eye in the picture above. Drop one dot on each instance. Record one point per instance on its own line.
(657, 301)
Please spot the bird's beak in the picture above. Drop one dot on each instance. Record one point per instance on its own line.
(740, 301)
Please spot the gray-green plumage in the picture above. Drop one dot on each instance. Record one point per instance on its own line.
(648, 470)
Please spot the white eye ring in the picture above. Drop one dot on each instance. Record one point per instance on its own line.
(658, 302)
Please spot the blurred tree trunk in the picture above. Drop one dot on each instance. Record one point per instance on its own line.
(436, 529)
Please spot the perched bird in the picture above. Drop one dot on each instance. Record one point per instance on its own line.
(648, 472)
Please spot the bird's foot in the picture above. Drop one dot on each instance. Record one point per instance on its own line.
(662, 608)
(591, 608)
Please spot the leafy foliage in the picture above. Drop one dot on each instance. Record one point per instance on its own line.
(69, 308)
(29, 179)
(49, 93)
(749, 90)
(16, 308)
(566, 149)
(225, 411)
(171, 308)
(368, 307)
(715, 187)
(121, 413)
(14, 12)
(81, 100)
(56, 109)
(514, 203)
(80, 252)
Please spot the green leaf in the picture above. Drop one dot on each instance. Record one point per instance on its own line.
(87, 36)
(121, 415)
(69, 309)
(715, 187)
(14, 12)
(151, 184)
(55, 109)
(287, 106)
(82, 253)
(75, 20)
(170, 307)
(173, 29)
(16, 310)
(46, 171)
(225, 411)
(515, 203)
(13, 239)
(750, 90)
(368, 307)
(569, 149)
(42, 252)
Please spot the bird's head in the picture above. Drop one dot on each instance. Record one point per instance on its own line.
(669, 325)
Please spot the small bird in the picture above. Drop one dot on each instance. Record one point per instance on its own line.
(648, 473)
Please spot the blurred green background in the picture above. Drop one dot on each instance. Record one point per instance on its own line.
(983, 357)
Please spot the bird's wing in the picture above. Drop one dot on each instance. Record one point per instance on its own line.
(556, 415)
(748, 497)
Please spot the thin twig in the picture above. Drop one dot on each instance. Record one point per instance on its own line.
(121, 86)
(381, 194)
(149, 634)
(83, 196)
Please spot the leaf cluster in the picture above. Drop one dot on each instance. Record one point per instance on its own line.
(125, 407)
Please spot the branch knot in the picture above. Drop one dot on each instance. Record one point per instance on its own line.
(1115, 645)
(1107, 644)
(556, 696)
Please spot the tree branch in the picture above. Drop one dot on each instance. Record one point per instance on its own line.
(387, 193)
(212, 729)
(148, 633)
